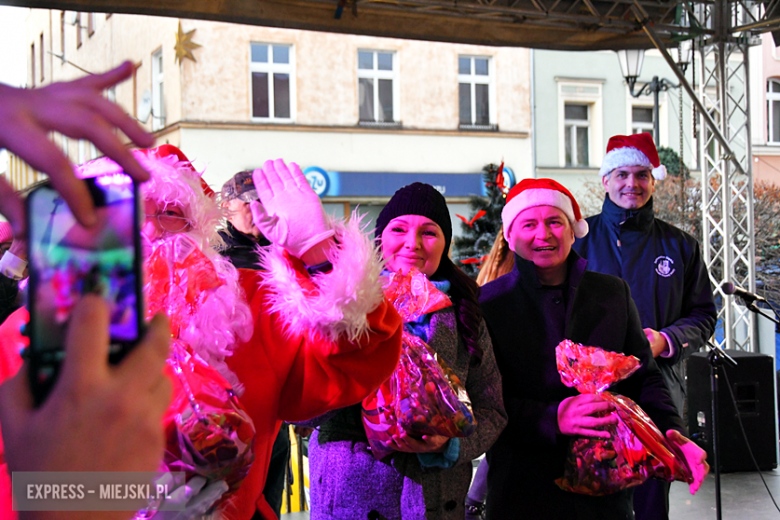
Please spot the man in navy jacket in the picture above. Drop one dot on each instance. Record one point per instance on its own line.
(664, 269)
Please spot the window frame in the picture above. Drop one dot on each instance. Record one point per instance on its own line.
(473, 79)
(575, 124)
(158, 98)
(376, 74)
(771, 96)
(271, 68)
(644, 126)
(582, 92)
(647, 102)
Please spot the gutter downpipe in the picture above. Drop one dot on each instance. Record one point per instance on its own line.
(533, 114)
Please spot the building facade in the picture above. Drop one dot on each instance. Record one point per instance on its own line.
(362, 115)
(765, 110)
(582, 99)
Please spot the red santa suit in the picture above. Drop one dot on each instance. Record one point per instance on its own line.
(319, 343)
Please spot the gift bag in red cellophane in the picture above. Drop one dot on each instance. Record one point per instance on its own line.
(636, 449)
(423, 396)
(208, 431)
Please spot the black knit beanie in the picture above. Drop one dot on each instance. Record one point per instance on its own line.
(417, 198)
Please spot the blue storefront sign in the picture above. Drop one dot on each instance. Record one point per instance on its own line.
(328, 183)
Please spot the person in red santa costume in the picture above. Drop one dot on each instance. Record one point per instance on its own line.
(321, 335)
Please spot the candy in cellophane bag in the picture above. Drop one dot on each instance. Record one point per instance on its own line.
(636, 449)
(423, 396)
(209, 434)
(179, 277)
(208, 431)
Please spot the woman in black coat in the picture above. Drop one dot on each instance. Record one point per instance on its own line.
(547, 298)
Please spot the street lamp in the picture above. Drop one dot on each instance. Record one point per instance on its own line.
(631, 67)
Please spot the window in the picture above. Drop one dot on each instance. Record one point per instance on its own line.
(32, 65)
(577, 134)
(78, 30)
(43, 55)
(773, 110)
(580, 122)
(377, 87)
(642, 120)
(272, 86)
(90, 24)
(158, 98)
(474, 91)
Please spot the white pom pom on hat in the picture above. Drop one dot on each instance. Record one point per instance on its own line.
(632, 150)
(530, 193)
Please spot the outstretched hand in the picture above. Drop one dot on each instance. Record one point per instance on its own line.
(694, 456)
(581, 415)
(76, 109)
(289, 213)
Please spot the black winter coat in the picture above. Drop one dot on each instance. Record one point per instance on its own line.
(240, 248)
(526, 322)
(667, 276)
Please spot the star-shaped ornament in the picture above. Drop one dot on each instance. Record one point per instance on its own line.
(185, 45)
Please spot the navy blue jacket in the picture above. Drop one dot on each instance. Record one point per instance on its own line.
(526, 322)
(667, 276)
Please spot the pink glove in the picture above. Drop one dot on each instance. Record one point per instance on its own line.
(694, 456)
(579, 415)
(289, 213)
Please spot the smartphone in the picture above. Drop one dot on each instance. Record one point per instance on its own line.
(67, 260)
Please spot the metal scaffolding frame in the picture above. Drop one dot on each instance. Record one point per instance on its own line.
(727, 190)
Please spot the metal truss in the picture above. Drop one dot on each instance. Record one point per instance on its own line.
(723, 103)
(727, 180)
(612, 16)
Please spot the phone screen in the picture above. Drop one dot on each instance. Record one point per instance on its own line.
(67, 260)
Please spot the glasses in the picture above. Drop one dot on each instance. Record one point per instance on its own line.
(169, 221)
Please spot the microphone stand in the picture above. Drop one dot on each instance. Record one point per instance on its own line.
(716, 358)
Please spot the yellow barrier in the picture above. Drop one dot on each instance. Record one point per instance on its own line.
(295, 489)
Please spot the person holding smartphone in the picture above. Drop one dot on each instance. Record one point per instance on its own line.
(124, 402)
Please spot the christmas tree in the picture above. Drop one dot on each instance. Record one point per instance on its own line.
(479, 230)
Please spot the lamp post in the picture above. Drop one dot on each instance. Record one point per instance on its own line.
(631, 67)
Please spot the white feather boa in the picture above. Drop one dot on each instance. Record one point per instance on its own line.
(344, 297)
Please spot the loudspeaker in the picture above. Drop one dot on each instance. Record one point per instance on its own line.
(752, 382)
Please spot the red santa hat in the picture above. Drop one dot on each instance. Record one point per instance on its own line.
(530, 193)
(632, 150)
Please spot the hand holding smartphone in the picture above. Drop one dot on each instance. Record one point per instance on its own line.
(67, 261)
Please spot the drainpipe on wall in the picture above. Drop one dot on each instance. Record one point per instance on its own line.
(533, 115)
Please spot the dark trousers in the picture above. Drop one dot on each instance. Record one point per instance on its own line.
(277, 469)
(651, 500)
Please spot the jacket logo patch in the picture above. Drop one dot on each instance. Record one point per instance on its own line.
(664, 266)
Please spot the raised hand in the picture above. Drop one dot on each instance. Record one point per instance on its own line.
(289, 213)
(76, 109)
